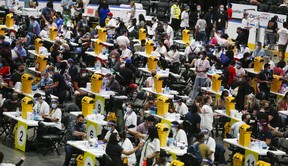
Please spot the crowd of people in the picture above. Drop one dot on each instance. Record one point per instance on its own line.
(133, 135)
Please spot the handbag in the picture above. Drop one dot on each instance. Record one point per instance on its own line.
(147, 162)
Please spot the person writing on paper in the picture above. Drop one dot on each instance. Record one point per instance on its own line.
(115, 151)
(45, 80)
(181, 107)
(41, 107)
(8, 164)
(113, 84)
(76, 131)
(178, 134)
(111, 129)
(127, 145)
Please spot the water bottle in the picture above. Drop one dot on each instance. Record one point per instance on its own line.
(17, 112)
(90, 142)
(34, 114)
(95, 66)
(168, 90)
(104, 50)
(94, 111)
(96, 142)
(146, 67)
(231, 91)
(213, 68)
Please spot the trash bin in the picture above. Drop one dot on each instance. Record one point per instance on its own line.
(142, 34)
(26, 105)
(186, 35)
(162, 133)
(245, 135)
(149, 47)
(102, 34)
(152, 63)
(258, 63)
(41, 62)
(262, 163)
(162, 105)
(276, 84)
(238, 159)
(80, 160)
(176, 163)
(98, 47)
(216, 82)
(158, 81)
(53, 33)
(227, 127)
(9, 20)
(96, 83)
(230, 104)
(2, 30)
(38, 44)
(26, 80)
(87, 105)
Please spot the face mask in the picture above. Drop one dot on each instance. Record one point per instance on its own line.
(1, 65)
(80, 123)
(128, 109)
(173, 130)
(221, 9)
(21, 70)
(84, 74)
(248, 58)
(198, 8)
(113, 60)
(53, 105)
(249, 101)
(206, 136)
(109, 128)
(257, 47)
(238, 66)
(120, 49)
(211, 102)
(42, 77)
(201, 56)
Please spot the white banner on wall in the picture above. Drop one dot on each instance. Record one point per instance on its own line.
(238, 10)
(265, 17)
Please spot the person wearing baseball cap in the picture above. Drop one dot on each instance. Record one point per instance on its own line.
(111, 127)
(210, 142)
(178, 134)
(54, 115)
(180, 106)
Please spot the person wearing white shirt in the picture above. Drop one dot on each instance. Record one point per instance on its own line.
(221, 40)
(234, 130)
(174, 56)
(111, 24)
(185, 17)
(161, 49)
(181, 107)
(126, 53)
(111, 127)
(55, 115)
(169, 31)
(178, 134)
(150, 80)
(207, 114)
(41, 107)
(282, 40)
(191, 49)
(154, 26)
(121, 40)
(127, 145)
(239, 70)
(268, 60)
(210, 142)
(130, 118)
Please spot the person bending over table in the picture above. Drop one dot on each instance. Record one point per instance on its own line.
(76, 131)
(142, 129)
(221, 102)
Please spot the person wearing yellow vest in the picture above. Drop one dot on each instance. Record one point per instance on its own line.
(175, 15)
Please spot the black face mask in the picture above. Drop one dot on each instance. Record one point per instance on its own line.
(79, 123)
(22, 70)
(153, 75)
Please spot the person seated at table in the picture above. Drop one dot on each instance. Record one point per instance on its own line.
(11, 103)
(150, 80)
(160, 48)
(127, 73)
(210, 142)
(5, 71)
(115, 151)
(268, 60)
(20, 51)
(221, 102)
(278, 70)
(273, 116)
(194, 118)
(244, 90)
(41, 106)
(191, 51)
(123, 39)
(151, 102)
(45, 80)
(174, 58)
(127, 145)
(8, 164)
(263, 133)
(283, 103)
(214, 41)
(54, 115)
(259, 51)
(252, 104)
(163, 159)
(140, 47)
(203, 148)
(115, 62)
(246, 60)
(130, 117)
(234, 130)
(111, 127)
(113, 84)
(178, 134)
(239, 71)
(80, 81)
(180, 107)
(16, 76)
(76, 131)
(126, 53)
(142, 129)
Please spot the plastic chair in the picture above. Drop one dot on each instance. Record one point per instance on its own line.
(274, 159)
(273, 9)
(263, 8)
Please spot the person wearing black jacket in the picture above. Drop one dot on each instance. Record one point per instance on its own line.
(209, 18)
(240, 40)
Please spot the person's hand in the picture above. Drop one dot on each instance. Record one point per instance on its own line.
(84, 135)
(23, 158)
(141, 144)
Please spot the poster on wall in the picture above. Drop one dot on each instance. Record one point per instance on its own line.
(265, 17)
(239, 9)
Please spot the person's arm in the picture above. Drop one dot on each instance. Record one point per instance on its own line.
(133, 150)
(56, 84)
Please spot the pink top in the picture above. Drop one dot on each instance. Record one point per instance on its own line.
(214, 41)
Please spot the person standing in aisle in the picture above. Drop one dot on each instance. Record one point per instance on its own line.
(185, 17)
(175, 13)
(282, 40)
(246, 27)
(221, 20)
(265, 79)
(209, 18)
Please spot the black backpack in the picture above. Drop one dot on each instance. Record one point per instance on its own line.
(194, 150)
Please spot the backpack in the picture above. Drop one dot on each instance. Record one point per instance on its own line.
(224, 59)
(195, 151)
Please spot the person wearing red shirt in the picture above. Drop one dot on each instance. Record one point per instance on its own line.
(229, 11)
(5, 71)
(278, 70)
(232, 72)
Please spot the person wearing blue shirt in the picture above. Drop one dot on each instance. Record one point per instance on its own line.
(47, 13)
(103, 11)
(259, 51)
(45, 80)
(58, 21)
(20, 51)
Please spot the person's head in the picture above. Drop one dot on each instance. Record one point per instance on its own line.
(201, 16)
(54, 103)
(224, 36)
(211, 9)
(251, 99)
(70, 61)
(281, 64)
(110, 15)
(153, 73)
(14, 98)
(130, 107)
(44, 74)
(21, 68)
(219, 33)
(125, 33)
(49, 5)
(221, 8)
(80, 119)
(244, 78)
(111, 125)
(245, 15)
(179, 101)
(202, 55)
(143, 43)
(205, 133)
(194, 108)
(207, 99)
(198, 7)
(285, 25)
(258, 45)
(238, 65)
(200, 137)
(224, 94)
(83, 72)
(152, 133)
(266, 66)
(233, 63)
(58, 14)
(265, 104)
(186, 8)
(230, 5)
(198, 101)
(173, 48)
(19, 43)
(141, 17)
(114, 138)
(175, 126)
(32, 18)
(38, 97)
(1, 157)
(132, 4)
(245, 118)
(246, 56)
(239, 30)
(274, 18)
(151, 99)
(122, 135)
(149, 122)
(263, 125)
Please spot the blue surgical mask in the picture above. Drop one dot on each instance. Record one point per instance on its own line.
(1, 65)
(53, 105)
(109, 128)
(128, 109)
(120, 49)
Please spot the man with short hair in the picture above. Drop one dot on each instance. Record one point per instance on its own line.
(259, 51)
(123, 39)
(142, 129)
(221, 19)
(20, 51)
(41, 106)
(45, 80)
(203, 148)
(76, 131)
(16, 76)
(234, 130)
(265, 80)
(282, 40)
(111, 24)
(47, 12)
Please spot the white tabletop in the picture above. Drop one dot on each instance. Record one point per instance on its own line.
(103, 71)
(208, 89)
(34, 70)
(48, 40)
(163, 73)
(238, 56)
(278, 94)
(171, 118)
(105, 94)
(251, 70)
(83, 145)
(177, 151)
(34, 53)
(223, 112)
(91, 117)
(31, 123)
(197, 44)
(33, 92)
(170, 96)
(261, 152)
(100, 56)
(74, 44)
(104, 43)
(284, 112)
(209, 73)
(153, 53)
